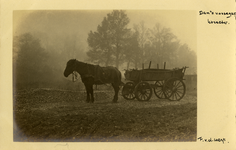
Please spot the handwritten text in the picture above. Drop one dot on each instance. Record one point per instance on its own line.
(220, 21)
(211, 139)
(228, 14)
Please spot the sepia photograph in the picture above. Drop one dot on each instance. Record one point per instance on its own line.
(118, 75)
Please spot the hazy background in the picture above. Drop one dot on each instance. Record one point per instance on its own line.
(44, 41)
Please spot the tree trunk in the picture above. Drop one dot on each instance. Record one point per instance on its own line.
(117, 55)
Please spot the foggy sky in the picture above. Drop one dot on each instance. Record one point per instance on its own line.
(80, 22)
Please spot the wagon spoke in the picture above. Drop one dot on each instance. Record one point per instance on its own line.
(178, 90)
(130, 96)
(148, 91)
(139, 94)
(144, 96)
(143, 91)
(177, 93)
(127, 91)
(167, 93)
(158, 89)
(177, 84)
(176, 97)
(180, 87)
(162, 95)
(180, 95)
(173, 96)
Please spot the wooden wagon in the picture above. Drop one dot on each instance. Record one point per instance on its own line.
(166, 84)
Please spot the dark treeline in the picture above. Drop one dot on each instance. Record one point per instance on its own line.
(39, 59)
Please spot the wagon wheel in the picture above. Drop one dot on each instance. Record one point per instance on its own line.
(143, 91)
(174, 89)
(158, 89)
(128, 91)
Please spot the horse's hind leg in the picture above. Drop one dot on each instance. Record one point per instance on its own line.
(116, 89)
(91, 92)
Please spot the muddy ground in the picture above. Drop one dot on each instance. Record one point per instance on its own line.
(47, 115)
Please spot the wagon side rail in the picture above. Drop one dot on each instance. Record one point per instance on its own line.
(154, 74)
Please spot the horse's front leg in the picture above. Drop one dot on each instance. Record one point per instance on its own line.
(91, 92)
(88, 93)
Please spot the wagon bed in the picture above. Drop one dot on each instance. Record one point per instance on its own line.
(153, 74)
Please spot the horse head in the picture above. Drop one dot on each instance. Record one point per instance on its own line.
(70, 67)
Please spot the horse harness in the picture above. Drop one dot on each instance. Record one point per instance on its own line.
(89, 73)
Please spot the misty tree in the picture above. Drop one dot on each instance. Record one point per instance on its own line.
(107, 44)
(186, 56)
(30, 58)
(142, 38)
(100, 44)
(164, 43)
(133, 53)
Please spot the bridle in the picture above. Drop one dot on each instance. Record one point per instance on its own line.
(84, 75)
(74, 74)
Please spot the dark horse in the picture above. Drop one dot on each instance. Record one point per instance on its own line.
(94, 74)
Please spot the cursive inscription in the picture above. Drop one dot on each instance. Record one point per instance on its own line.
(217, 22)
(211, 13)
(227, 14)
(212, 139)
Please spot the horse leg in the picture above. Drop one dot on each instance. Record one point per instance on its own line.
(91, 92)
(88, 93)
(116, 89)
